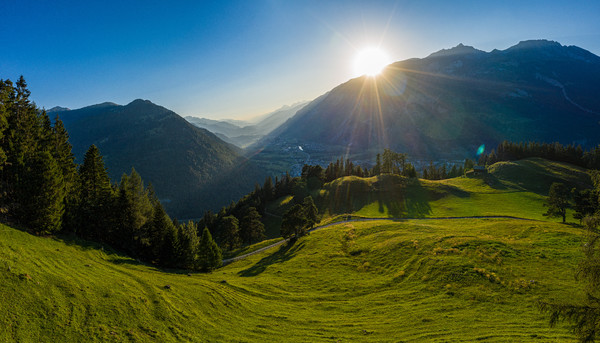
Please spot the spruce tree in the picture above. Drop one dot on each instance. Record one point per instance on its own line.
(169, 250)
(42, 203)
(557, 201)
(63, 152)
(209, 254)
(294, 222)
(230, 233)
(135, 210)
(158, 229)
(5, 92)
(251, 228)
(188, 245)
(310, 212)
(94, 215)
(20, 143)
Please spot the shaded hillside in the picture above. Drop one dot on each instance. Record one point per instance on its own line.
(190, 169)
(448, 104)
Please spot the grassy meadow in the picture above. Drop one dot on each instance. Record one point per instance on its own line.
(413, 280)
(510, 188)
(409, 280)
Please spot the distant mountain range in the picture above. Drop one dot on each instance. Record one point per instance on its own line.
(191, 170)
(446, 105)
(442, 107)
(245, 133)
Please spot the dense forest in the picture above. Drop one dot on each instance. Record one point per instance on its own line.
(45, 192)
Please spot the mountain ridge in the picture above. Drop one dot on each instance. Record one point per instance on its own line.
(191, 169)
(448, 104)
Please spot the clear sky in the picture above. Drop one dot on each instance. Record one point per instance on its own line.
(231, 59)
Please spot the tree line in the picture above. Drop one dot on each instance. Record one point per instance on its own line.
(44, 191)
(511, 151)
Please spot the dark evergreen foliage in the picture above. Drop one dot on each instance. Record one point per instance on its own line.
(209, 254)
(558, 201)
(41, 188)
(510, 151)
(299, 219)
(251, 228)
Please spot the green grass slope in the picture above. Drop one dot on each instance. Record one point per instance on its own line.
(381, 281)
(511, 188)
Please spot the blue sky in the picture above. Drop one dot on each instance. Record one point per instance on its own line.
(232, 59)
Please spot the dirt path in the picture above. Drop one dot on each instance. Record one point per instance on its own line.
(237, 258)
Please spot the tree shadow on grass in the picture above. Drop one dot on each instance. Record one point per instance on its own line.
(285, 253)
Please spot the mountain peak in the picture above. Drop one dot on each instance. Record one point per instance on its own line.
(536, 44)
(460, 49)
(140, 102)
(58, 109)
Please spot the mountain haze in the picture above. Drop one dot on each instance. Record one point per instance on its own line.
(449, 103)
(242, 133)
(190, 168)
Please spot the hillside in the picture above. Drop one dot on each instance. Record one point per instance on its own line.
(517, 189)
(190, 169)
(428, 280)
(446, 105)
(424, 279)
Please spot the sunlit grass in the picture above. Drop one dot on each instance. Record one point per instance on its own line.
(429, 280)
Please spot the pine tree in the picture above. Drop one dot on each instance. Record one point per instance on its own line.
(229, 230)
(20, 142)
(251, 228)
(169, 251)
(188, 245)
(42, 203)
(63, 152)
(209, 254)
(294, 222)
(5, 92)
(377, 168)
(557, 201)
(158, 228)
(94, 215)
(268, 189)
(310, 212)
(135, 210)
(586, 203)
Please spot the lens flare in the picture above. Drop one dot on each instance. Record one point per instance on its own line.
(481, 149)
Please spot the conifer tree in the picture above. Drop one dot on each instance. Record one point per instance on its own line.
(5, 92)
(586, 203)
(63, 152)
(557, 201)
(310, 212)
(209, 254)
(229, 230)
(93, 217)
(42, 203)
(188, 245)
(20, 143)
(135, 210)
(251, 228)
(156, 235)
(294, 222)
(169, 250)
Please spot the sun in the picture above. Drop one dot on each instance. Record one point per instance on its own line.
(370, 62)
